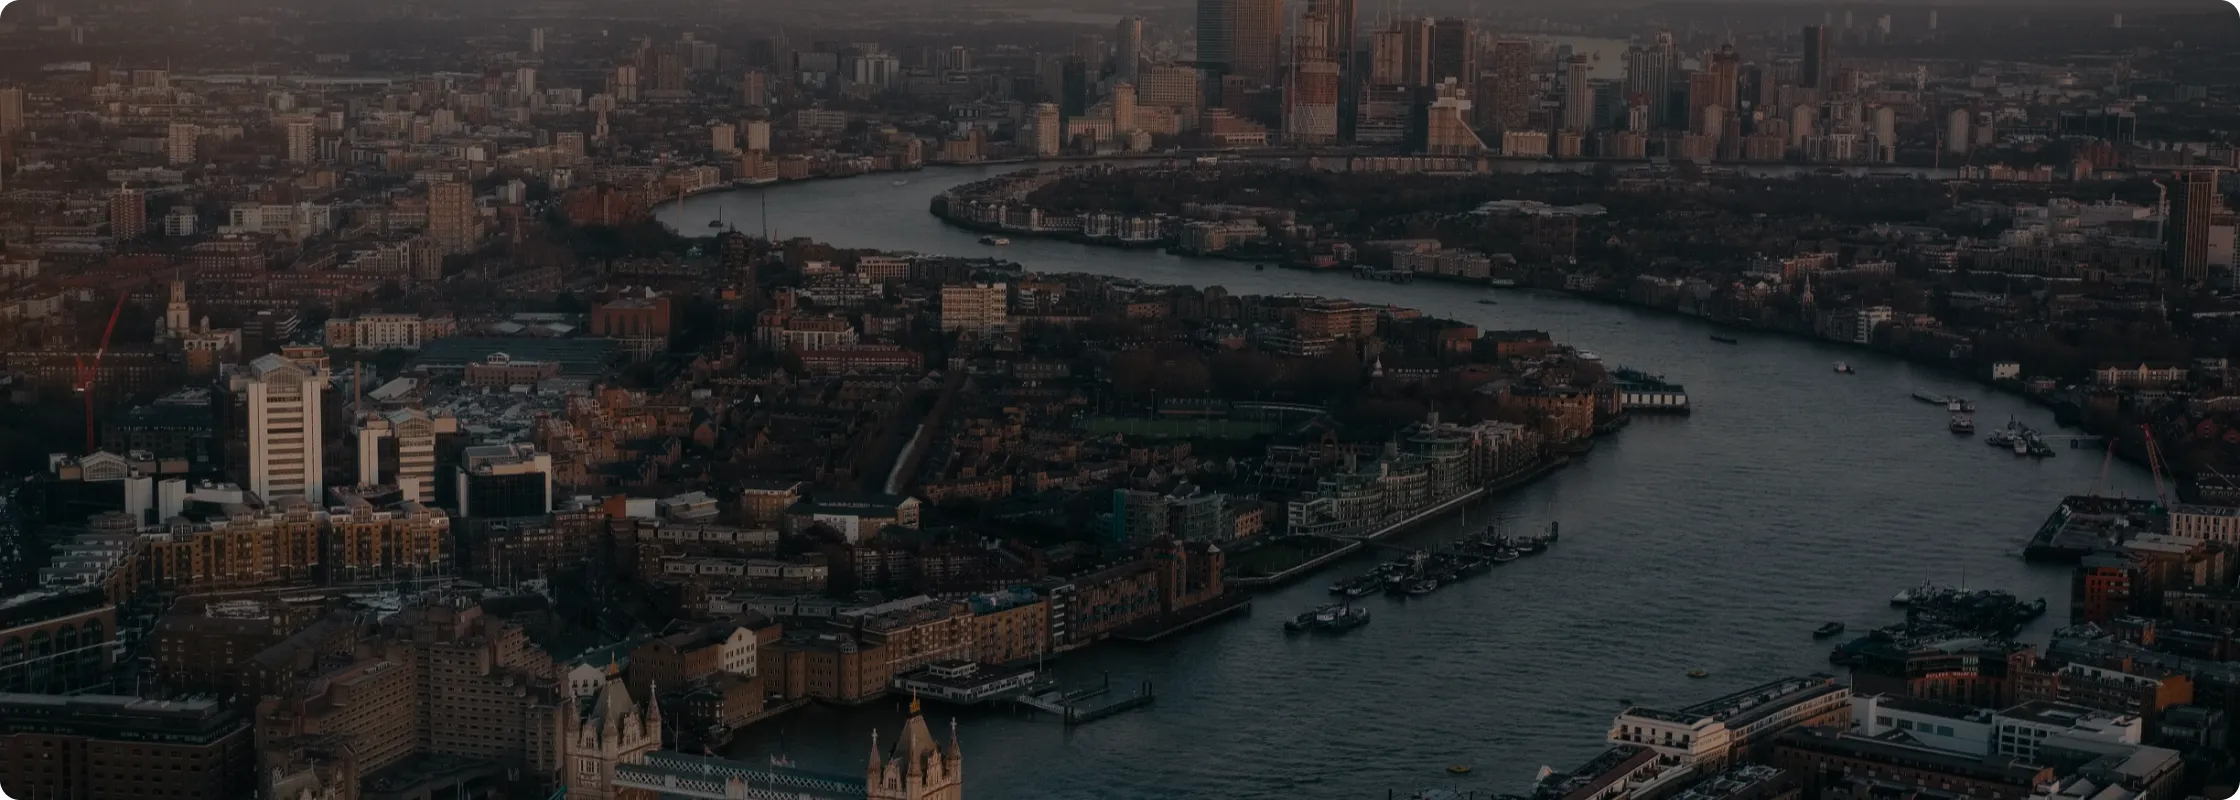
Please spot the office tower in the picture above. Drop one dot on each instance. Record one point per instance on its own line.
(505, 480)
(1453, 51)
(623, 84)
(1818, 70)
(398, 448)
(451, 216)
(1241, 37)
(283, 399)
(11, 111)
(1174, 87)
(1123, 108)
(303, 142)
(2193, 199)
(1073, 87)
(1127, 51)
(1725, 67)
(1047, 133)
(179, 143)
(128, 214)
(1578, 98)
(1313, 113)
(1649, 74)
(1344, 49)
(1415, 51)
(1388, 57)
(1512, 85)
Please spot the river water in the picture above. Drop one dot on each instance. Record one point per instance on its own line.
(1792, 496)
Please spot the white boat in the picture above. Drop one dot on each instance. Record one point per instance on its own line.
(903, 182)
(997, 241)
(1844, 368)
(1954, 405)
(1903, 597)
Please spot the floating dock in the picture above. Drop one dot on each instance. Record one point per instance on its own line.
(1075, 708)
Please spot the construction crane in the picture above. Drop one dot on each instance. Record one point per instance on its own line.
(2100, 487)
(2154, 461)
(88, 372)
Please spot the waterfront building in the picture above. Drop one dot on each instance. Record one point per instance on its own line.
(1737, 726)
(101, 746)
(1971, 672)
(1832, 759)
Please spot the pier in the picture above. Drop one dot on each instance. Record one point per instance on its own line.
(1071, 708)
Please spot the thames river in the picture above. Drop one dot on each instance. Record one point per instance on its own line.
(1793, 496)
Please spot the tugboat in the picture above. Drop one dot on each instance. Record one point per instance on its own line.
(1827, 630)
(1725, 339)
(1962, 424)
(1843, 368)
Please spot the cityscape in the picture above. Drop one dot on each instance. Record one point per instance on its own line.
(1243, 399)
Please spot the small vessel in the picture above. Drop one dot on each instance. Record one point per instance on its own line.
(1962, 424)
(1488, 303)
(1259, 268)
(2021, 446)
(1929, 397)
(1725, 339)
(718, 221)
(1827, 630)
(1903, 598)
(1458, 769)
(1966, 407)
(1843, 368)
(997, 241)
(1423, 587)
(1698, 673)
(900, 183)
(1506, 554)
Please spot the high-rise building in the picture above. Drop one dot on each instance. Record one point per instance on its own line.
(11, 111)
(451, 216)
(1074, 82)
(1127, 51)
(722, 138)
(1047, 132)
(128, 214)
(1649, 74)
(1344, 49)
(1312, 118)
(1172, 87)
(303, 142)
(623, 85)
(1453, 51)
(179, 143)
(1725, 68)
(1957, 135)
(1242, 38)
(1388, 57)
(1123, 107)
(178, 318)
(754, 88)
(1511, 93)
(1578, 98)
(536, 40)
(1819, 72)
(758, 135)
(1415, 51)
(2193, 199)
(282, 400)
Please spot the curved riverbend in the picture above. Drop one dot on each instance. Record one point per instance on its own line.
(1791, 497)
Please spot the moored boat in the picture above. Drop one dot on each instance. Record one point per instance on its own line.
(1827, 630)
(1962, 424)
